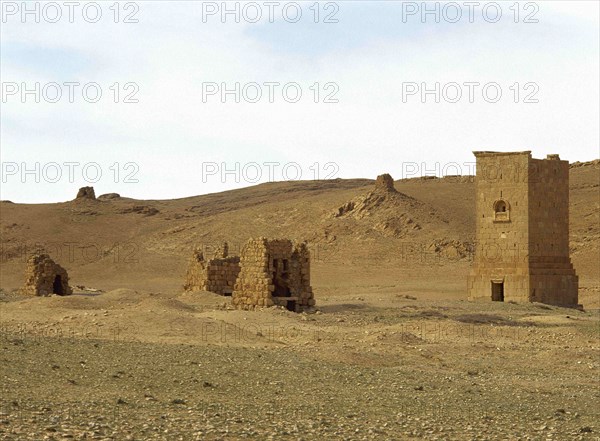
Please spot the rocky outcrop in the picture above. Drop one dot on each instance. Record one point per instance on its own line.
(108, 196)
(144, 210)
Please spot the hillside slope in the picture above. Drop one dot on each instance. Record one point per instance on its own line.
(420, 239)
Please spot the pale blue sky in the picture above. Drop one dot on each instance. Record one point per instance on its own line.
(368, 54)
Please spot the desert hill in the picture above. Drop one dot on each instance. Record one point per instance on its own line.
(394, 350)
(416, 238)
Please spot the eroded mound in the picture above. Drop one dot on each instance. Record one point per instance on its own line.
(388, 211)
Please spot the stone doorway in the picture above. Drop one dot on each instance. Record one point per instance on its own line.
(291, 305)
(57, 287)
(281, 279)
(281, 287)
(281, 283)
(498, 291)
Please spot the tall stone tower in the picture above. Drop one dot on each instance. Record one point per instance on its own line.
(522, 249)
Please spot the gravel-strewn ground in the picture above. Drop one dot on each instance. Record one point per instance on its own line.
(378, 376)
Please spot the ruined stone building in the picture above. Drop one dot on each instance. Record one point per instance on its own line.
(522, 230)
(86, 193)
(44, 277)
(274, 272)
(217, 274)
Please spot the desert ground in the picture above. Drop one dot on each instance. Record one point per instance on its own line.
(392, 351)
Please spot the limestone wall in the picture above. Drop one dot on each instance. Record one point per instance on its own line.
(216, 275)
(552, 276)
(253, 286)
(501, 237)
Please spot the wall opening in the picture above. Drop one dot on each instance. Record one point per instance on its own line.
(57, 287)
(501, 210)
(281, 287)
(291, 305)
(498, 291)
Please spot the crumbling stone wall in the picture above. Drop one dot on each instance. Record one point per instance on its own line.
(274, 272)
(522, 236)
(216, 275)
(45, 277)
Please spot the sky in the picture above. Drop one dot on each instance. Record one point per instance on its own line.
(141, 100)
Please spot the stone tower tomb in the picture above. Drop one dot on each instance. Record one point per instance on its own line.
(522, 230)
(44, 277)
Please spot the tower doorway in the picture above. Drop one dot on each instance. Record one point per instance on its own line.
(57, 287)
(498, 291)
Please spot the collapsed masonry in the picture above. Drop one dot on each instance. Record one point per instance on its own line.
(274, 272)
(216, 275)
(45, 277)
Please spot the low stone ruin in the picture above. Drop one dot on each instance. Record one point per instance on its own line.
(86, 193)
(216, 275)
(274, 272)
(45, 277)
(268, 273)
(385, 183)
